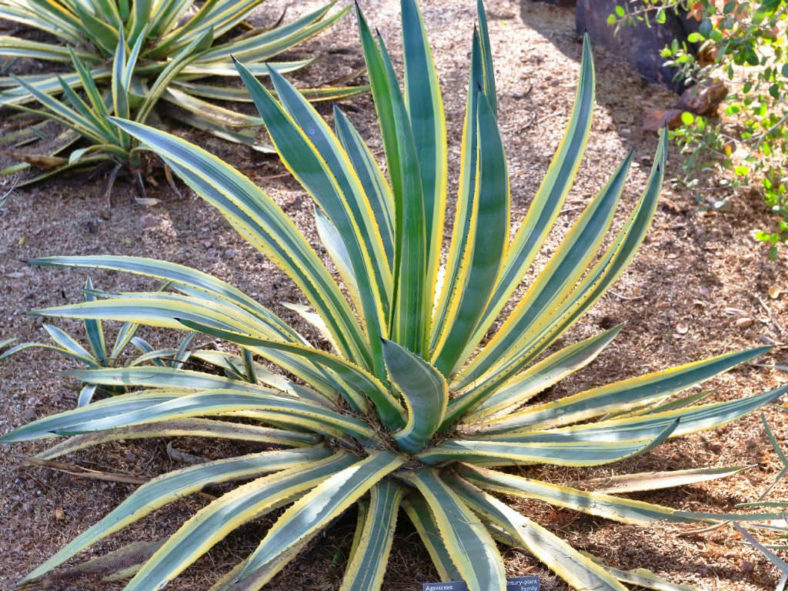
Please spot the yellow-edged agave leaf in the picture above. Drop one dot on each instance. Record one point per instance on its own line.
(625, 483)
(574, 568)
(261, 221)
(319, 163)
(472, 550)
(375, 533)
(620, 395)
(179, 483)
(178, 274)
(642, 427)
(486, 242)
(219, 518)
(408, 400)
(461, 229)
(152, 45)
(357, 379)
(333, 496)
(566, 452)
(409, 318)
(542, 375)
(559, 276)
(424, 105)
(210, 428)
(424, 391)
(422, 519)
(593, 503)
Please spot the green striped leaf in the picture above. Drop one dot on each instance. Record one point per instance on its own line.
(567, 452)
(467, 541)
(539, 377)
(577, 570)
(372, 544)
(424, 106)
(620, 395)
(316, 159)
(592, 503)
(259, 220)
(486, 242)
(212, 523)
(333, 496)
(549, 198)
(424, 391)
(420, 515)
(211, 428)
(180, 483)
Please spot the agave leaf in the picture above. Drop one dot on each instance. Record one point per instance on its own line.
(357, 379)
(179, 483)
(408, 322)
(592, 503)
(485, 245)
(215, 521)
(138, 408)
(178, 274)
(210, 428)
(620, 395)
(370, 551)
(471, 548)
(559, 276)
(424, 391)
(420, 515)
(569, 564)
(269, 44)
(375, 185)
(278, 238)
(625, 483)
(566, 452)
(333, 496)
(320, 165)
(424, 106)
(693, 419)
(541, 376)
(461, 232)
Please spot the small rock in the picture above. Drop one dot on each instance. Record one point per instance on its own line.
(744, 322)
(229, 253)
(703, 99)
(656, 119)
(207, 244)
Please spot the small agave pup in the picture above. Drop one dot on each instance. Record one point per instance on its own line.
(409, 410)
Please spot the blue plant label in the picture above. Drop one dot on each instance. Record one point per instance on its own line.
(530, 583)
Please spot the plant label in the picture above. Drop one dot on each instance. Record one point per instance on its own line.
(530, 583)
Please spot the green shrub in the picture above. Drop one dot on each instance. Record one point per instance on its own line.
(421, 403)
(743, 43)
(136, 60)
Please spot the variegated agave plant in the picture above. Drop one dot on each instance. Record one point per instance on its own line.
(408, 410)
(133, 59)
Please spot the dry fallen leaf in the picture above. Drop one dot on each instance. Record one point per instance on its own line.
(774, 292)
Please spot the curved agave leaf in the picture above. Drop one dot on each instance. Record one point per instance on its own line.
(424, 391)
(375, 534)
(470, 547)
(179, 483)
(214, 522)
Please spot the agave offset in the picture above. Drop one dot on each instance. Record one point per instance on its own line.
(137, 59)
(416, 402)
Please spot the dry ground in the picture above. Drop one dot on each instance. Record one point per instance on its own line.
(697, 277)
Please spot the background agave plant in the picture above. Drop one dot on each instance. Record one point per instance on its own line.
(422, 402)
(130, 59)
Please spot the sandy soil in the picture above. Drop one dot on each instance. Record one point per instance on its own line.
(700, 286)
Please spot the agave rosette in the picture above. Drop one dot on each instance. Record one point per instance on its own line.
(130, 59)
(420, 404)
